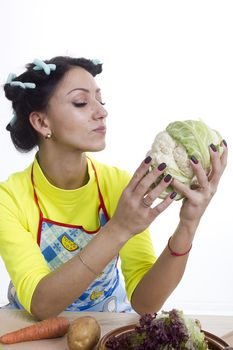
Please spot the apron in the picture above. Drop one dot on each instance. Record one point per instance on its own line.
(59, 242)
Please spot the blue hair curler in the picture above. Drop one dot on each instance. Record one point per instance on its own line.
(10, 77)
(41, 65)
(96, 61)
(23, 85)
(13, 119)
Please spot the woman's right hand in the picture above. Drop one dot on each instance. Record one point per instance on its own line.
(134, 212)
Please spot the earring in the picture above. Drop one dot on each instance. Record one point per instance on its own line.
(48, 136)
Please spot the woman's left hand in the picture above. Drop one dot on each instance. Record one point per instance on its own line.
(196, 200)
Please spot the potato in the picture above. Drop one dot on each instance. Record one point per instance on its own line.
(83, 333)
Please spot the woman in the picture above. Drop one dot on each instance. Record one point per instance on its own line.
(66, 218)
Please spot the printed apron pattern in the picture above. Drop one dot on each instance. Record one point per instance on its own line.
(60, 242)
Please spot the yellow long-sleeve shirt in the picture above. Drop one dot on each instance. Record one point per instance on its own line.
(19, 219)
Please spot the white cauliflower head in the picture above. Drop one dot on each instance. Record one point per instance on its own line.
(177, 144)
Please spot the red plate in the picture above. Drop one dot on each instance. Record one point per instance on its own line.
(214, 342)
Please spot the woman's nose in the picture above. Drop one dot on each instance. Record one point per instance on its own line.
(99, 111)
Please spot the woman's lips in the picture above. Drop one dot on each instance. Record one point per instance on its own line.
(100, 129)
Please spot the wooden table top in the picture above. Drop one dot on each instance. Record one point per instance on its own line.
(15, 319)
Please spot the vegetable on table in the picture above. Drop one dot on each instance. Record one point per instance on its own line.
(175, 145)
(169, 330)
(50, 328)
(83, 333)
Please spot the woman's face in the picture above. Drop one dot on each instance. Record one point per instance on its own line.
(76, 115)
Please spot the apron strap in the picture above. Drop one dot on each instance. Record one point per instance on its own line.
(38, 205)
(100, 194)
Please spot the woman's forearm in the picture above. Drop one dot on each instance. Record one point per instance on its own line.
(160, 281)
(61, 287)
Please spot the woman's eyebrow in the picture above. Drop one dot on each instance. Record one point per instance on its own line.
(83, 89)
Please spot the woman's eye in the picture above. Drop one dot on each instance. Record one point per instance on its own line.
(102, 103)
(79, 104)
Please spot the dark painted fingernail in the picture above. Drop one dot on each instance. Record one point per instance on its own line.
(212, 146)
(147, 160)
(162, 166)
(194, 159)
(167, 178)
(173, 195)
(224, 142)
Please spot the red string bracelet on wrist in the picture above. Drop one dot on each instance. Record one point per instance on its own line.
(174, 253)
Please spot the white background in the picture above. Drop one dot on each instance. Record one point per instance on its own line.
(163, 61)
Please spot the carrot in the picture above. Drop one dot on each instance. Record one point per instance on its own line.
(49, 328)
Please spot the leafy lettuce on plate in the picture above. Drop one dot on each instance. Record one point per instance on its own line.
(168, 331)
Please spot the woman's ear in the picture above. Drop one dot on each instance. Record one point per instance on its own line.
(40, 123)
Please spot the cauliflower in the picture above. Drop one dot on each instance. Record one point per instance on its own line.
(177, 144)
